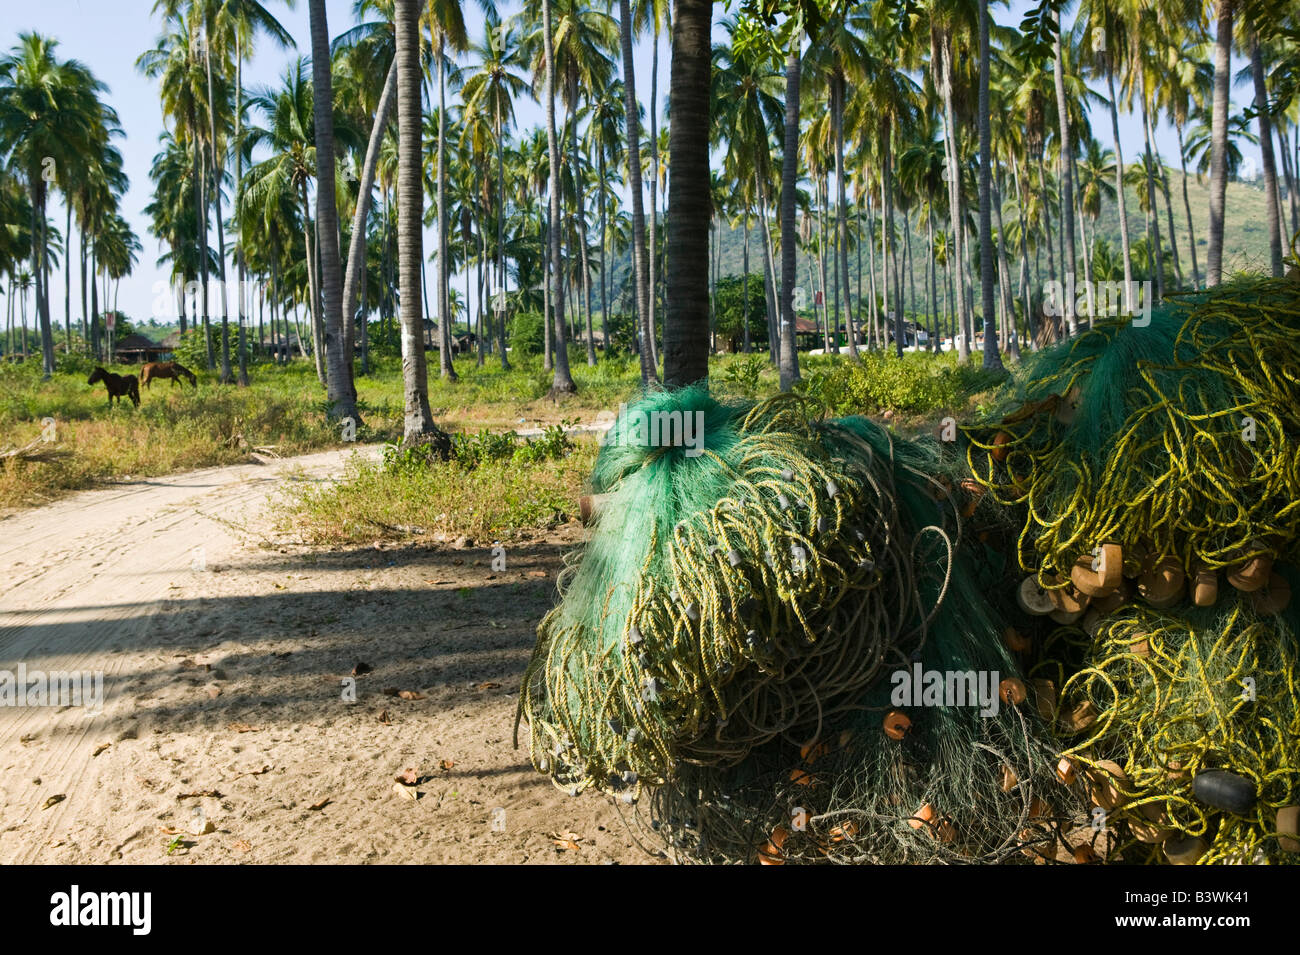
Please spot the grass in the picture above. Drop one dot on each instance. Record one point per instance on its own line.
(497, 500)
(284, 412)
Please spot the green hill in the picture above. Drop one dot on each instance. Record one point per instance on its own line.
(1245, 242)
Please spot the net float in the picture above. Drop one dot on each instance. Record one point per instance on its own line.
(1140, 645)
(1149, 833)
(1012, 690)
(1092, 621)
(1185, 850)
(1065, 771)
(1204, 587)
(897, 724)
(922, 817)
(1113, 601)
(1016, 641)
(944, 830)
(1000, 442)
(1224, 790)
(1084, 855)
(1251, 575)
(801, 777)
(1009, 780)
(1044, 698)
(1066, 618)
(1108, 782)
(1288, 828)
(975, 491)
(1162, 586)
(1033, 599)
(772, 852)
(1273, 597)
(811, 752)
(1081, 717)
(1068, 406)
(1068, 600)
(589, 506)
(844, 831)
(1099, 576)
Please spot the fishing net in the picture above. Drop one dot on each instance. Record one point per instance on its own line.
(732, 634)
(1185, 732)
(1175, 441)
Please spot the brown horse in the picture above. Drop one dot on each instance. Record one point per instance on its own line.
(117, 385)
(167, 369)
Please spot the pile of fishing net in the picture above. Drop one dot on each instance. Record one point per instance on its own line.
(1176, 443)
(1186, 733)
(753, 632)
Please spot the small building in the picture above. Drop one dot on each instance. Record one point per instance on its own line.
(137, 348)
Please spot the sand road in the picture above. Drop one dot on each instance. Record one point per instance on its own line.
(232, 727)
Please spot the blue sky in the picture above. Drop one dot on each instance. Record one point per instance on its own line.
(108, 35)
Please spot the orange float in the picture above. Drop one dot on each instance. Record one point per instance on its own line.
(896, 724)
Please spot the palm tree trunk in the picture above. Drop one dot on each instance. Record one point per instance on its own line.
(563, 381)
(1067, 174)
(837, 110)
(639, 259)
(448, 370)
(342, 400)
(1187, 208)
(604, 248)
(355, 278)
(991, 357)
(1266, 154)
(744, 288)
(418, 418)
(686, 311)
(1219, 140)
(501, 244)
(789, 357)
(1119, 187)
(953, 155)
(201, 218)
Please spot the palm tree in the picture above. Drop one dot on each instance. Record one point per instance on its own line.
(50, 120)
(563, 381)
(789, 356)
(1186, 78)
(840, 55)
(343, 402)
(1101, 19)
(418, 424)
(291, 139)
(446, 23)
(1224, 10)
(991, 357)
(690, 206)
(1066, 147)
(491, 89)
(640, 280)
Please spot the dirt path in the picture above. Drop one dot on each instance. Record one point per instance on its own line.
(232, 727)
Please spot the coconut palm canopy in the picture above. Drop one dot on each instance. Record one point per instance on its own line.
(879, 170)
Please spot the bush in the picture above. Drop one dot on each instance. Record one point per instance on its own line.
(731, 308)
(918, 383)
(190, 350)
(527, 333)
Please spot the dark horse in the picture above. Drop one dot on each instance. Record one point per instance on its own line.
(167, 369)
(117, 385)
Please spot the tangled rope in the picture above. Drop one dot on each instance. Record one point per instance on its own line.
(1175, 440)
(1166, 699)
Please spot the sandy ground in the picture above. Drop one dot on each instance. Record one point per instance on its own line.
(227, 732)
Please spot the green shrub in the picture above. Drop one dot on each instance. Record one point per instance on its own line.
(527, 333)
